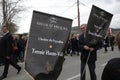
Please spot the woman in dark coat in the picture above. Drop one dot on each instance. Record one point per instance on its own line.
(112, 69)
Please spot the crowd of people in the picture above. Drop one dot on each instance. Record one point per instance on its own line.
(11, 51)
(72, 47)
(109, 42)
(78, 44)
(73, 44)
(112, 69)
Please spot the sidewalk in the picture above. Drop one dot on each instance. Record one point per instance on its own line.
(12, 74)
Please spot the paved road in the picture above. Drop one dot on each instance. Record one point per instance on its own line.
(71, 67)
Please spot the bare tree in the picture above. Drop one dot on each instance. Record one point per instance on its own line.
(10, 9)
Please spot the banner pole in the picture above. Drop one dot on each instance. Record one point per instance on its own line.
(86, 63)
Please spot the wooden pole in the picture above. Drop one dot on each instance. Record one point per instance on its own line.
(78, 15)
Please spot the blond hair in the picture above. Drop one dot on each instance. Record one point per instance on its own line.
(117, 40)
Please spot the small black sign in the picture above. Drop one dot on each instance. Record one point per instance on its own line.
(98, 24)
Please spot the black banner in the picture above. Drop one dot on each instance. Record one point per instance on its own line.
(98, 24)
(47, 40)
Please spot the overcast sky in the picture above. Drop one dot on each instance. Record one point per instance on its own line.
(68, 9)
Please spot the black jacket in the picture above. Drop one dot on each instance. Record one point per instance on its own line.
(6, 48)
(84, 53)
(112, 70)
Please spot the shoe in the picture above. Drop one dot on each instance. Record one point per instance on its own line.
(2, 77)
(19, 70)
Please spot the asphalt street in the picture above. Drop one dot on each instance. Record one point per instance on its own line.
(71, 67)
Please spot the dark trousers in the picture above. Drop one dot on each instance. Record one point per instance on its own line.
(91, 69)
(11, 61)
(105, 47)
(112, 47)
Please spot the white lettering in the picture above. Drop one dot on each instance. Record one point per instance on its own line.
(46, 52)
(94, 34)
(52, 26)
(37, 51)
(50, 40)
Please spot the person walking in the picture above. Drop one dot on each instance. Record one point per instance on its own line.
(22, 45)
(88, 55)
(112, 69)
(6, 49)
(106, 43)
(74, 44)
(15, 49)
(112, 38)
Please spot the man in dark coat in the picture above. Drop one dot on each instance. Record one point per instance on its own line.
(7, 52)
(88, 55)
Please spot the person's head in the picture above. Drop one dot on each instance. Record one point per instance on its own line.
(117, 40)
(4, 29)
(83, 27)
